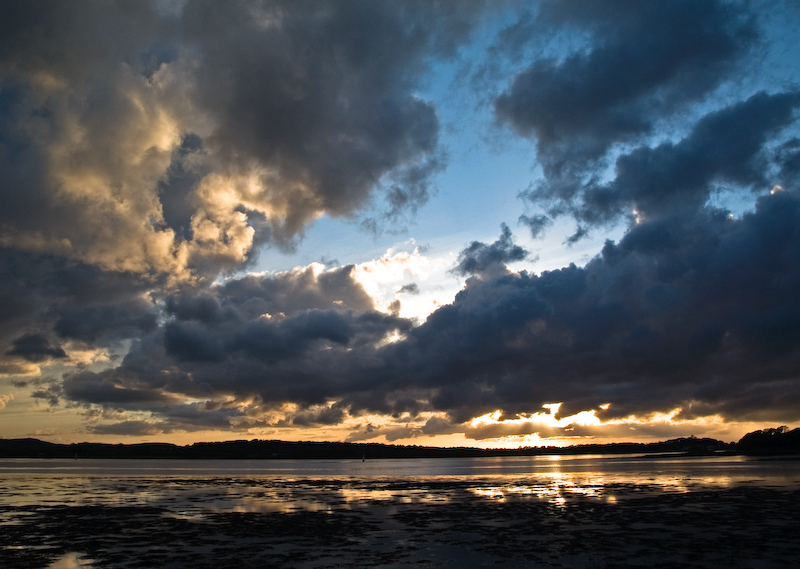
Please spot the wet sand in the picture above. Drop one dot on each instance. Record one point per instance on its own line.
(232, 522)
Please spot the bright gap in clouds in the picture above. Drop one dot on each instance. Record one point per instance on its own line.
(388, 275)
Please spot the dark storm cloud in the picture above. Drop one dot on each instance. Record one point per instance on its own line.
(695, 311)
(154, 140)
(699, 312)
(325, 416)
(631, 71)
(296, 290)
(293, 360)
(725, 146)
(146, 149)
(109, 321)
(115, 389)
(682, 309)
(35, 348)
(274, 340)
(60, 69)
(479, 258)
(264, 339)
(46, 301)
(642, 61)
(788, 158)
(320, 93)
(177, 187)
(269, 316)
(170, 419)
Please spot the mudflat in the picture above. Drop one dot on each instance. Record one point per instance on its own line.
(311, 523)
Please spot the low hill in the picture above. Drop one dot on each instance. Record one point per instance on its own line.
(770, 441)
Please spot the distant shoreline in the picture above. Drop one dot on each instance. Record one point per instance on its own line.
(778, 441)
(275, 450)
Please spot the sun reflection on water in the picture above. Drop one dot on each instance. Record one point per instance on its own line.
(201, 489)
(554, 492)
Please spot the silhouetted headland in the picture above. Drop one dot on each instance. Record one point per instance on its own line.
(770, 441)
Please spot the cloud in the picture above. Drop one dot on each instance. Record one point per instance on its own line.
(177, 142)
(391, 432)
(694, 312)
(170, 419)
(4, 399)
(130, 428)
(50, 306)
(439, 426)
(385, 278)
(653, 427)
(666, 317)
(726, 146)
(35, 348)
(536, 223)
(479, 258)
(292, 291)
(90, 323)
(637, 63)
(411, 288)
(624, 78)
(259, 342)
(319, 416)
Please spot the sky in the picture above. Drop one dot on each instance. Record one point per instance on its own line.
(491, 224)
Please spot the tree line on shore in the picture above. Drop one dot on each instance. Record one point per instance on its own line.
(778, 440)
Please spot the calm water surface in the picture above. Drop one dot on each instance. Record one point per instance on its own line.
(190, 487)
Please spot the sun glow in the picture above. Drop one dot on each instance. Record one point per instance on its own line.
(583, 418)
(544, 428)
(384, 280)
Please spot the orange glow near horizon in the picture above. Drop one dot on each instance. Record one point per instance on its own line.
(70, 425)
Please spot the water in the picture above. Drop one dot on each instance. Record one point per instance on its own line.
(388, 507)
(192, 488)
(286, 485)
(735, 468)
